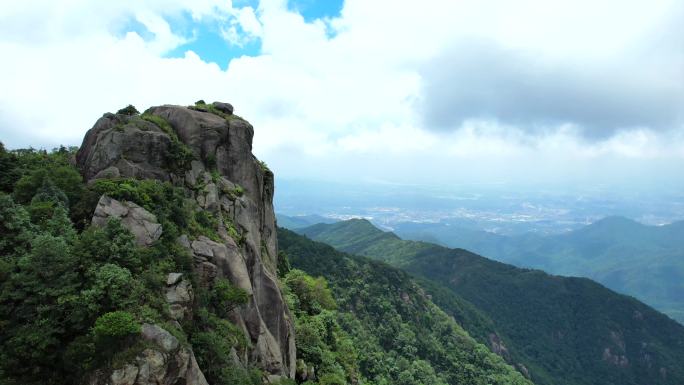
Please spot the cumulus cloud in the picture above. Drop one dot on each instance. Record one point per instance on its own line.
(447, 92)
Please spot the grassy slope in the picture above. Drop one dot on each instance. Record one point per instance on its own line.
(560, 326)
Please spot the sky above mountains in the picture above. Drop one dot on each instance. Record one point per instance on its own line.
(528, 92)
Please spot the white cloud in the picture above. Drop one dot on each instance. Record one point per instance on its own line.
(243, 27)
(343, 105)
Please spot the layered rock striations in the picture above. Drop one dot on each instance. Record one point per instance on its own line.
(207, 151)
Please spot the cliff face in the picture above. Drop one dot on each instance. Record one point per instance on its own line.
(207, 151)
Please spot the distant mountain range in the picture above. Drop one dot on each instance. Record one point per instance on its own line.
(559, 328)
(400, 335)
(293, 222)
(643, 261)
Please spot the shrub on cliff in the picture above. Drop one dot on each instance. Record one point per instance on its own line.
(128, 110)
(115, 325)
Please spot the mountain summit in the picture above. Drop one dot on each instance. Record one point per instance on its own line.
(207, 150)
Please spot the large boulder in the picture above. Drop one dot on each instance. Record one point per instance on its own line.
(179, 296)
(139, 221)
(123, 145)
(228, 259)
(226, 108)
(164, 361)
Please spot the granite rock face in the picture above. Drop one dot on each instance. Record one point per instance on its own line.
(139, 221)
(164, 362)
(179, 296)
(226, 108)
(121, 145)
(225, 179)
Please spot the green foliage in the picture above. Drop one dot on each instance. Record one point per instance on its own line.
(112, 332)
(215, 176)
(16, 228)
(205, 223)
(232, 231)
(72, 299)
(284, 266)
(113, 287)
(646, 262)
(180, 155)
(160, 198)
(205, 219)
(201, 106)
(332, 379)
(60, 183)
(235, 193)
(110, 244)
(128, 110)
(117, 324)
(557, 327)
(320, 340)
(160, 122)
(210, 161)
(225, 296)
(396, 334)
(263, 166)
(313, 293)
(212, 341)
(9, 172)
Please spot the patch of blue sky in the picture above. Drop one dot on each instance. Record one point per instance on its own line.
(316, 9)
(204, 38)
(209, 44)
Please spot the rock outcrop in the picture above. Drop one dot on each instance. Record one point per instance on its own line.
(209, 155)
(139, 221)
(180, 296)
(166, 361)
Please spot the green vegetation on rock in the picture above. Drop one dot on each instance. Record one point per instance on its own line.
(200, 105)
(179, 154)
(128, 110)
(73, 298)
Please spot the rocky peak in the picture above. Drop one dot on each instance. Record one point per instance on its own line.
(206, 150)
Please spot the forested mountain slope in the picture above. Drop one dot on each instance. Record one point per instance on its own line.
(398, 334)
(149, 256)
(629, 257)
(563, 328)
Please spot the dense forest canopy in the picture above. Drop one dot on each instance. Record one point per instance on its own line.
(75, 296)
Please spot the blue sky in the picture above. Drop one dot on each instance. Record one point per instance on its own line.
(316, 9)
(205, 38)
(207, 42)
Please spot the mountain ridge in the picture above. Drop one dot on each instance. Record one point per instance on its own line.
(641, 260)
(537, 301)
(401, 320)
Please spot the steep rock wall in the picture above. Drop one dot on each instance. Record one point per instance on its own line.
(225, 178)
